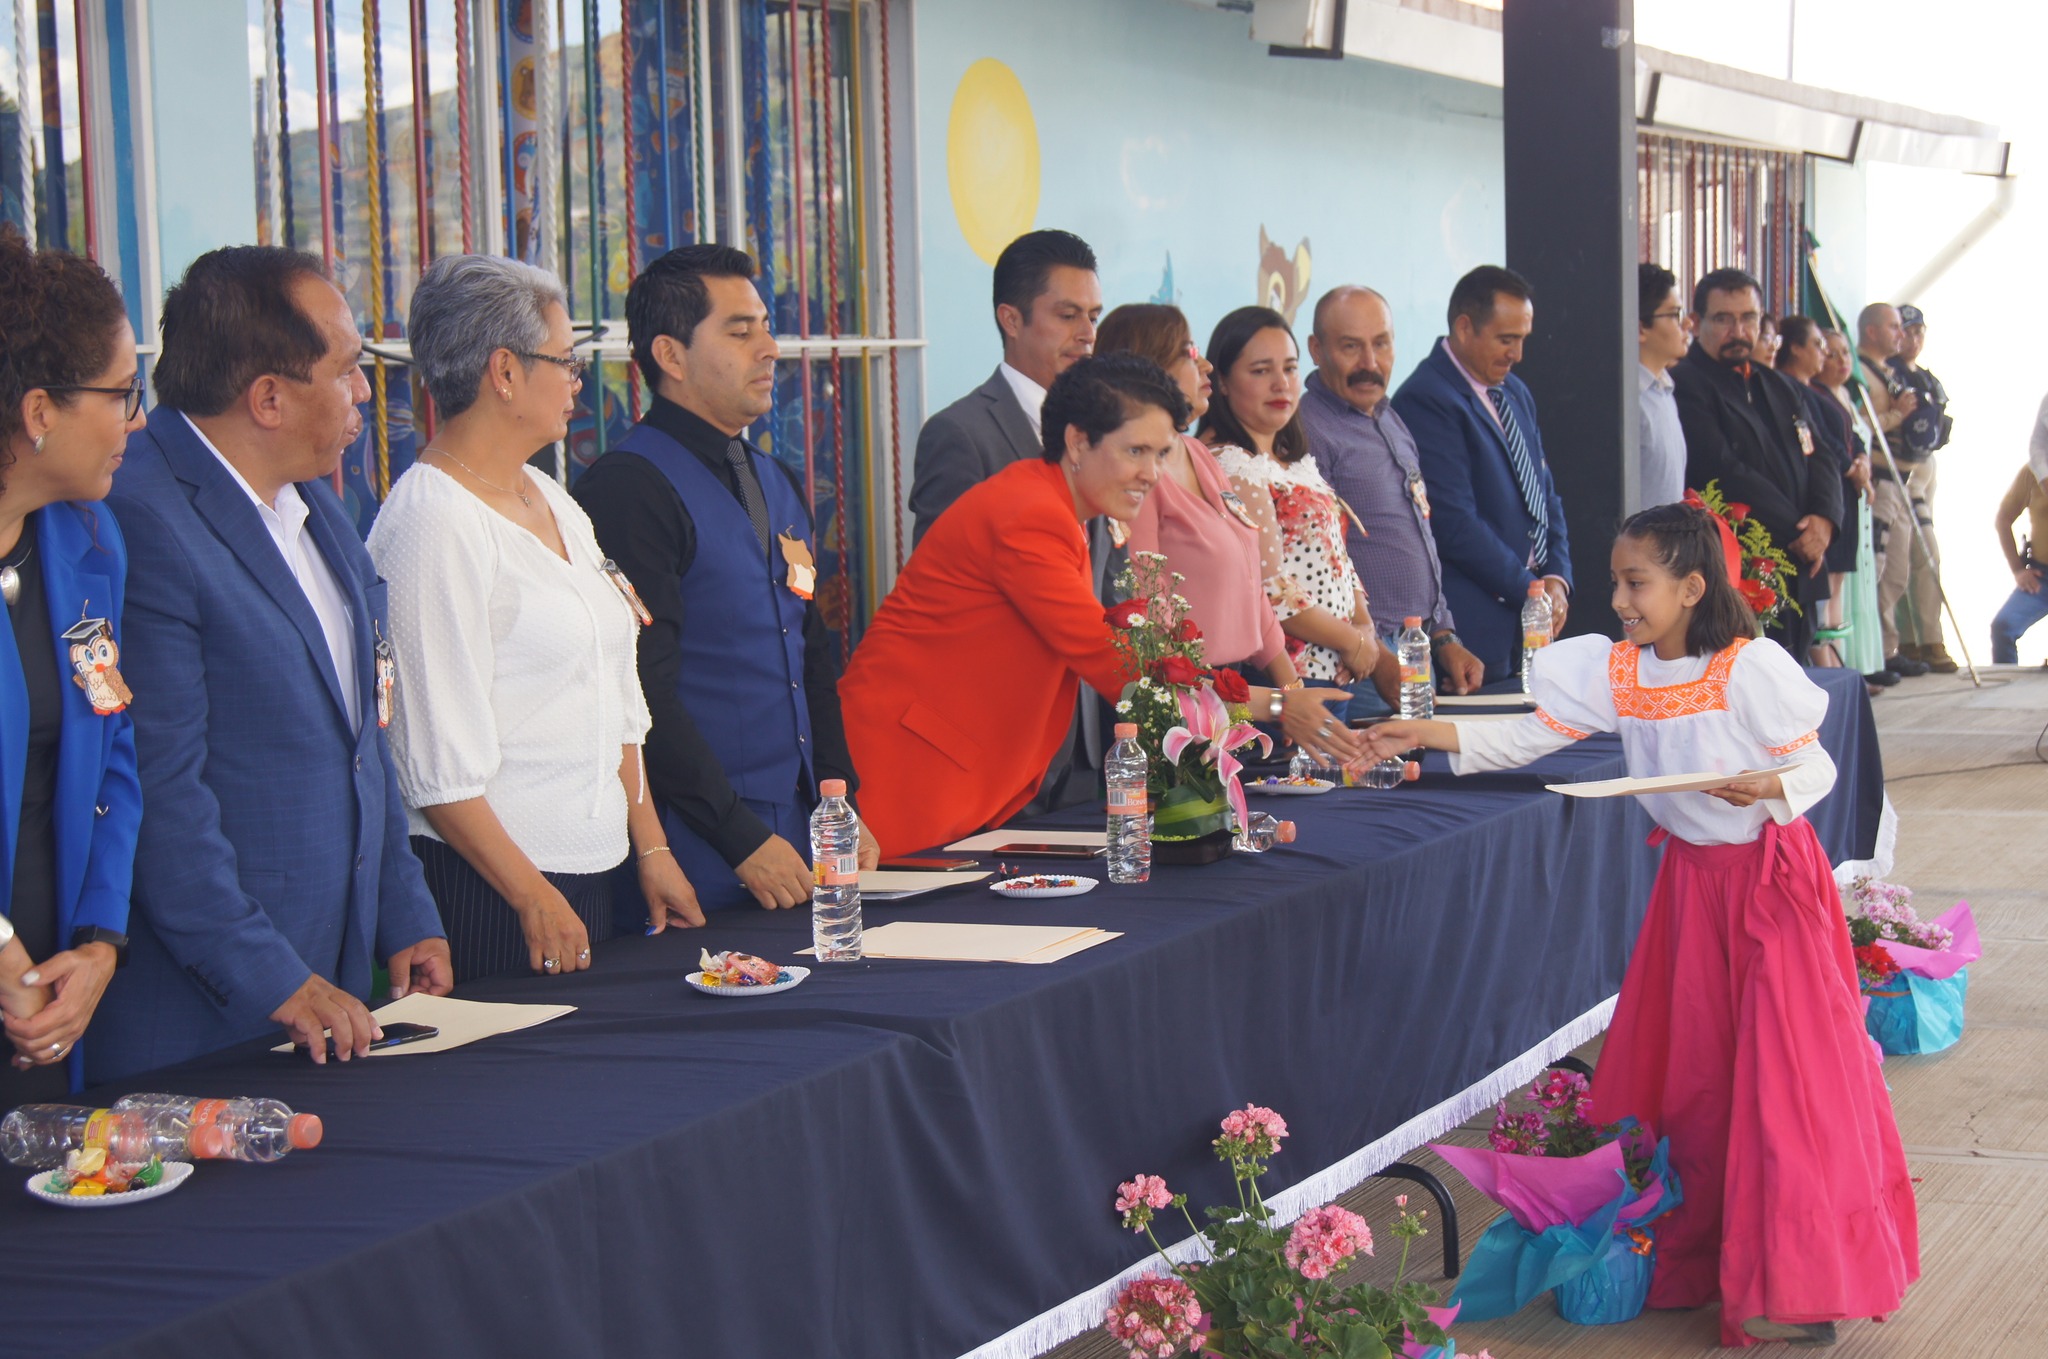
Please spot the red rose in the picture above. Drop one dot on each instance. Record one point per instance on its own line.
(1177, 670)
(1760, 597)
(1737, 510)
(1125, 614)
(1186, 631)
(1230, 686)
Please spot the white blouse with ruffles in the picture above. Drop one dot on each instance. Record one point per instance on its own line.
(1749, 706)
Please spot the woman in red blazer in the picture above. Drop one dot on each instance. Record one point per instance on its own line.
(961, 691)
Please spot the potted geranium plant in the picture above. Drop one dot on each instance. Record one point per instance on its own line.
(1580, 1198)
(1191, 719)
(1915, 972)
(1267, 1290)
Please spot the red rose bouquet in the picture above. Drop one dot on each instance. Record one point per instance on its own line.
(1191, 719)
(1760, 573)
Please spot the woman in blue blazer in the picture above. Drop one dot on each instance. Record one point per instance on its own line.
(69, 801)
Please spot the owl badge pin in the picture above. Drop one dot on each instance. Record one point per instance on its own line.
(95, 665)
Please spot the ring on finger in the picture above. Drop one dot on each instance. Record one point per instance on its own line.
(582, 955)
(550, 964)
(56, 1049)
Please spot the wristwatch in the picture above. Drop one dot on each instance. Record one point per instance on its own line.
(1275, 702)
(100, 934)
(1444, 639)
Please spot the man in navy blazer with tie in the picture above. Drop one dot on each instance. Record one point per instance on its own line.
(1495, 513)
(272, 870)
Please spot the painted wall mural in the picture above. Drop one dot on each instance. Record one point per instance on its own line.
(1283, 281)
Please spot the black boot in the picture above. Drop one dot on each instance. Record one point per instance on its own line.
(1811, 1335)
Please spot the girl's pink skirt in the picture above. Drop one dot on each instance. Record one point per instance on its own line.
(1739, 1035)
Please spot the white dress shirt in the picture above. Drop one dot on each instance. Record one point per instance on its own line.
(516, 669)
(286, 522)
(1030, 396)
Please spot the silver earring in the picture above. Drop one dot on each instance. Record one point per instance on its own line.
(39, 441)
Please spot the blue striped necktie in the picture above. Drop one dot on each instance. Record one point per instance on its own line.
(1525, 472)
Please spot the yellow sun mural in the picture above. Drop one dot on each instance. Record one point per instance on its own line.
(992, 158)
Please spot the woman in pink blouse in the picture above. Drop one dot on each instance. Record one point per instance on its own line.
(1208, 536)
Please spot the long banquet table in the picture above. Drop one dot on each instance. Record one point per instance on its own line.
(895, 1159)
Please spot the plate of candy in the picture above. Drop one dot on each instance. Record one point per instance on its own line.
(87, 1179)
(1292, 786)
(1043, 885)
(742, 974)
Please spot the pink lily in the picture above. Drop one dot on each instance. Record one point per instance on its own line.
(1205, 719)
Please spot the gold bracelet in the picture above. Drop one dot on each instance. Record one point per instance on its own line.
(658, 849)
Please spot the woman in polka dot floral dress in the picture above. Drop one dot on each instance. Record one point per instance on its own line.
(1254, 427)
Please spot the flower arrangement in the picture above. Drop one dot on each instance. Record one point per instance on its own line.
(1580, 1197)
(1191, 719)
(1263, 1289)
(1881, 910)
(1761, 573)
(1915, 972)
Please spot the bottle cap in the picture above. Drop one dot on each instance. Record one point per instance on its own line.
(1412, 621)
(832, 788)
(304, 1131)
(1536, 590)
(1285, 833)
(1126, 730)
(1411, 771)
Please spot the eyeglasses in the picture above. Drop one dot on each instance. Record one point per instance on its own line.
(575, 365)
(133, 391)
(1671, 315)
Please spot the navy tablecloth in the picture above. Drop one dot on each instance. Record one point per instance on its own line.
(895, 1159)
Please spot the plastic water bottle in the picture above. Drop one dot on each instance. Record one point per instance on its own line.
(1262, 833)
(1303, 765)
(1418, 682)
(174, 1127)
(835, 876)
(1536, 622)
(1391, 772)
(1125, 772)
(259, 1130)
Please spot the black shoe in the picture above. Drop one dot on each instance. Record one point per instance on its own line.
(1883, 679)
(1906, 666)
(1809, 1336)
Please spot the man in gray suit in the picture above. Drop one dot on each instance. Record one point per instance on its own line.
(1047, 302)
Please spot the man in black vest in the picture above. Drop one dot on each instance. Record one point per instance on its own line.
(1745, 427)
(737, 665)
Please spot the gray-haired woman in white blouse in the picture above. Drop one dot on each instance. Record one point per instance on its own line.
(517, 720)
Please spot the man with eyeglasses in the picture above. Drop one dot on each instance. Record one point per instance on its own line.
(1661, 340)
(1745, 427)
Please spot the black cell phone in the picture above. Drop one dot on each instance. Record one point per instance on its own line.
(933, 863)
(1038, 851)
(395, 1035)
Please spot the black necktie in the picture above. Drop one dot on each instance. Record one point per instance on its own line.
(752, 500)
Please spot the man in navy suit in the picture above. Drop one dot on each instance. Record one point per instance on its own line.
(1498, 522)
(272, 871)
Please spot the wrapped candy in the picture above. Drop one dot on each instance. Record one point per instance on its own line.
(737, 969)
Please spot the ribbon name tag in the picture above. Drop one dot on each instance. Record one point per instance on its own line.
(802, 578)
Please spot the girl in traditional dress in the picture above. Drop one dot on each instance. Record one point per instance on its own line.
(1739, 1033)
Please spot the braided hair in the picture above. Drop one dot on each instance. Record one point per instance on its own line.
(1685, 540)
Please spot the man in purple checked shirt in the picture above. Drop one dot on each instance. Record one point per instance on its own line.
(1367, 454)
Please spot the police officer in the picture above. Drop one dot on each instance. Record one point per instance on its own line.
(1914, 443)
